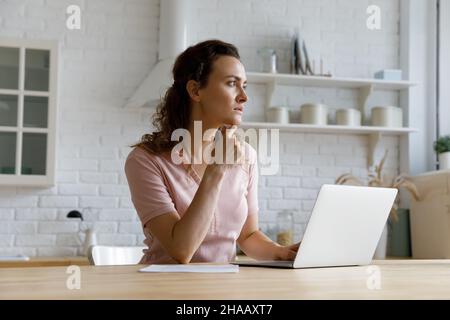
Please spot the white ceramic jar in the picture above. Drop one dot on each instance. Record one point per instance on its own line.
(314, 113)
(277, 115)
(387, 116)
(348, 117)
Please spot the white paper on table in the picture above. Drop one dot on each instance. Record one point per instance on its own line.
(218, 268)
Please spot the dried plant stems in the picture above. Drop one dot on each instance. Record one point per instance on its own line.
(376, 180)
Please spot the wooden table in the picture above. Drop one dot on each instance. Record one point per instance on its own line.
(46, 262)
(398, 279)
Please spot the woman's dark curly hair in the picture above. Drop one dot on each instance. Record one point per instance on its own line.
(174, 111)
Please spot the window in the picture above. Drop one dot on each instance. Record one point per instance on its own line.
(444, 68)
(28, 72)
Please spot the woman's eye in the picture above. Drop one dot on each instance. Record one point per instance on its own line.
(232, 83)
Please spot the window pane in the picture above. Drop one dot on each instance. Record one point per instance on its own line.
(7, 152)
(37, 64)
(9, 68)
(8, 110)
(34, 151)
(35, 112)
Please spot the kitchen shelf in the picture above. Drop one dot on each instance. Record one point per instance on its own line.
(374, 133)
(299, 127)
(327, 82)
(365, 86)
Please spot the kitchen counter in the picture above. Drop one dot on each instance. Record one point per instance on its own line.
(384, 279)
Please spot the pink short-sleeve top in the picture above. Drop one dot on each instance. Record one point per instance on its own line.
(159, 186)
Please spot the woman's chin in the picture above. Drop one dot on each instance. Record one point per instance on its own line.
(235, 121)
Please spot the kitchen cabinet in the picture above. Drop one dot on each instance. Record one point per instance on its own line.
(28, 81)
(430, 216)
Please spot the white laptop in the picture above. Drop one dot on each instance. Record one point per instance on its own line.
(344, 229)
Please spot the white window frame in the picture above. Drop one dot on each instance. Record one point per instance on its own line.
(444, 68)
(48, 179)
(418, 62)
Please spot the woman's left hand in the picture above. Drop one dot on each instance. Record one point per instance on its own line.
(287, 252)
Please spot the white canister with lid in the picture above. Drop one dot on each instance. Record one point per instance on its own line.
(348, 117)
(278, 115)
(387, 116)
(314, 113)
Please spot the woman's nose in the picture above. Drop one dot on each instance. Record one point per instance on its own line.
(242, 97)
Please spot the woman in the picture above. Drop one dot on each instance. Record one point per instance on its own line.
(197, 212)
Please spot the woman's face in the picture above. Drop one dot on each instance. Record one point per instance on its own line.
(222, 100)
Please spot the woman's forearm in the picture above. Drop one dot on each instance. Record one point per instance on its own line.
(260, 247)
(189, 232)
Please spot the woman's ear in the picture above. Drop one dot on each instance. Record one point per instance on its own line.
(193, 88)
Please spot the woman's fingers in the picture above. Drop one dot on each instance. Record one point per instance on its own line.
(239, 152)
(286, 254)
(290, 252)
(231, 148)
(231, 131)
(291, 255)
(294, 246)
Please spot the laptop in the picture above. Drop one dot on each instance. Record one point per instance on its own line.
(344, 229)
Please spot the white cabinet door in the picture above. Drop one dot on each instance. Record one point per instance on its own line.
(28, 71)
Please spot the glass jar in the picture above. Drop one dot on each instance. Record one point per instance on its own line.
(285, 227)
(268, 60)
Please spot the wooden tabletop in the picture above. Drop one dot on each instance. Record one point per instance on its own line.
(46, 262)
(384, 279)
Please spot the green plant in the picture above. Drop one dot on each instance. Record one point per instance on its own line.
(442, 144)
(378, 180)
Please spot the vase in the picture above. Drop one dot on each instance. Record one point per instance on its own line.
(399, 240)
(444, 160)
(380, 252)
(89, 240)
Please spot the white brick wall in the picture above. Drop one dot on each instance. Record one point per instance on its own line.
(103, 63)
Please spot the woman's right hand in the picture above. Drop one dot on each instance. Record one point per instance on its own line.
(228, 151)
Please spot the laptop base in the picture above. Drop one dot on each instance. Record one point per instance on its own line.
(268, 264)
